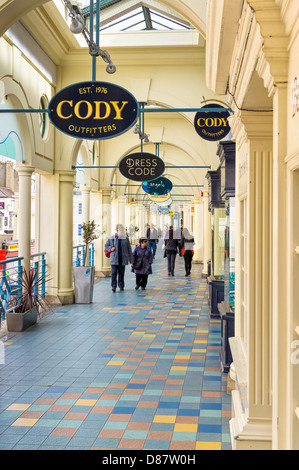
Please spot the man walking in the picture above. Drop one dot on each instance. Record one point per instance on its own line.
(152, 237)
(120, 255)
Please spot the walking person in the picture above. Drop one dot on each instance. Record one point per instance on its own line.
(152, 237)
(171, 248)
(142, 265)
(120, 255)
(187, 250)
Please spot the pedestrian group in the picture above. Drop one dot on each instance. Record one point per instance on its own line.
(119, 251)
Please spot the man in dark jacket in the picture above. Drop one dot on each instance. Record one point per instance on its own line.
(152, 237)
(120, 255)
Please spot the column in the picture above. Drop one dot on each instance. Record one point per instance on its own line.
(24, 215)
(65, 236)
(85, 190)
(106, 226)
(207, 242)
(251, 348)
(122, 210)
(198, 232)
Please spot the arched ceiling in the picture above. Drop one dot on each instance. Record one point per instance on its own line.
(194, 11)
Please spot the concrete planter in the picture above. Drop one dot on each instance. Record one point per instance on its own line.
(16, 321)
(83, 283)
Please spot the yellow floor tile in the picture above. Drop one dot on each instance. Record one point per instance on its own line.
(164, 419)
(115, 363)
(25, 422)
(18, 407)
(208, 446)
(179, 368)
(189, 427)
(82, 402)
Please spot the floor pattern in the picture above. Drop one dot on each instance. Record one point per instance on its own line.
(132, 370)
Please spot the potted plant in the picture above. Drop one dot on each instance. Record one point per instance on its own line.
(84, 275)
(26, 307)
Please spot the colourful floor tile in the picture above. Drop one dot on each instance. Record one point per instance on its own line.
(117, 381)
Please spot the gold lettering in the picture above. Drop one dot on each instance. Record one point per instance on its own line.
(98, 110)
(118, 110)
(77, 110)
(59, 109)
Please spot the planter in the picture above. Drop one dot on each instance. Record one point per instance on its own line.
(17, 322)
(83, 284)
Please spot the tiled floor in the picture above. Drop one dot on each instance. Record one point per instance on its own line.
(132, 370)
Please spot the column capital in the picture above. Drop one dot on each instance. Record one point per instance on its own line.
(66, 176)
(24, 169)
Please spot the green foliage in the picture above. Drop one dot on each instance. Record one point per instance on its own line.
(30, 283)
(90, 232)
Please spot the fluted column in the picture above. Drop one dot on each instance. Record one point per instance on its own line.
(198, 232)
(207, 243)
(25, 174)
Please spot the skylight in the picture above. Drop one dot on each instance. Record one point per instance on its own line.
(125, 15)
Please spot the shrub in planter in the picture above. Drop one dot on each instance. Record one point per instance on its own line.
(26, 307)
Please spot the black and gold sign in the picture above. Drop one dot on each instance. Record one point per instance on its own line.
(212, 125)
(141, 166)
(93, 110)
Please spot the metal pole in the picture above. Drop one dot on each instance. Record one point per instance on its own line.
(174, 167)
(91, 35)
(185, 110)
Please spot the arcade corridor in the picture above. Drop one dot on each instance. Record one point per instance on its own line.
(133, 370)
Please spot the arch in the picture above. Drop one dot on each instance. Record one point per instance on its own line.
(15, 95)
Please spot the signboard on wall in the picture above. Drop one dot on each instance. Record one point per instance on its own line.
(212, 125)
(141, 167)
(93, 110)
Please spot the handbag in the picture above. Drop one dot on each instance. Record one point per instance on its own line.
(107, 252)
(184, 251)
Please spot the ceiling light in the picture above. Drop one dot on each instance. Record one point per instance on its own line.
(77, 26)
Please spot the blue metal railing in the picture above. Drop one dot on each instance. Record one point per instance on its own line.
(79, 254)
(11, 272)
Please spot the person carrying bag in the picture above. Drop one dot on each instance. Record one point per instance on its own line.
(142, 264)
(187, 250)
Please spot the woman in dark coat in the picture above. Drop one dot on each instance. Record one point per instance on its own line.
(187, 244)
(171, 249)
(142, 264)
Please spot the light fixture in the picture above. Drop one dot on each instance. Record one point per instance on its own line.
(142, 136)
(77, 26)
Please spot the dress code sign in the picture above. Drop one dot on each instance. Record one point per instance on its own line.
(93, 110)
(141, 167)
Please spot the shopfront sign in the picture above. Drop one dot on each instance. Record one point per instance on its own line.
(141, 167)
(212, 125)
(158, 187)
(93, 110)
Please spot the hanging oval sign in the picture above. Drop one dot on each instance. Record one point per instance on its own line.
(166, 203)
(158, 199)
(212, 125)
(93, 110)
(158, 187)
(163, 210)
(141, 166)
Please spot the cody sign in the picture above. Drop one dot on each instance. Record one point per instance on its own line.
(212, 125)
(93, 110)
